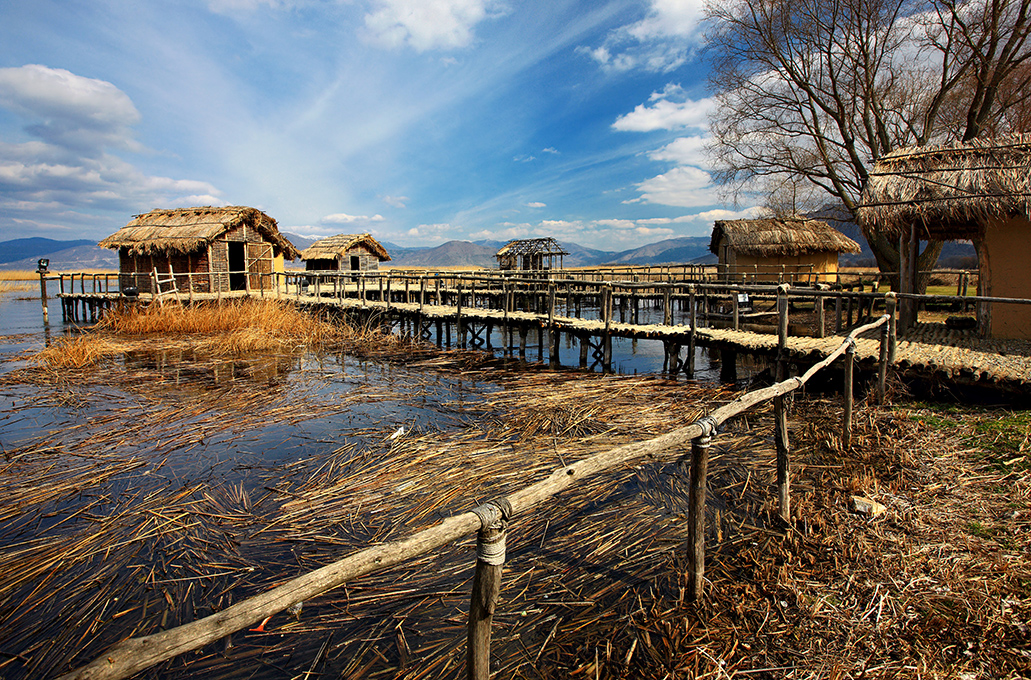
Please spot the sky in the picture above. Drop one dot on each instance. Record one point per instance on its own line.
(419, 121)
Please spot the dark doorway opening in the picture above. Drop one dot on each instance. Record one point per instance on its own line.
(355, 263)
(237, 266)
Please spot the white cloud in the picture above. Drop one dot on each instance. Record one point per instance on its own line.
(660, 42)
(432, 233)
(669, 18)
(427, 24)
(536, 204)
(70, 170)
(684, 186)
(344, 218)
(665, 114)
(551, 149)
(682, 151)
(70, 111)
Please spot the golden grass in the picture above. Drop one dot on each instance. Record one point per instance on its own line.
(16, 286)
(33, 275)
(233, 328)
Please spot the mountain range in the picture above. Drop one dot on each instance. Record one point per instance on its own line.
(22, 254)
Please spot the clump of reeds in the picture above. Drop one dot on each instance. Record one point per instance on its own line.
(232, 328)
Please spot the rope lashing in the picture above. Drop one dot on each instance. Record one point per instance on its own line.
(708, 425)
(493, 515)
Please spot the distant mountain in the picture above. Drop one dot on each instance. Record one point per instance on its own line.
(671, 251)
(450, 254)
(300, 242)
(35, 248)
(79, 258)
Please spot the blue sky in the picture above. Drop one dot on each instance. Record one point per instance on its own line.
(420, 121)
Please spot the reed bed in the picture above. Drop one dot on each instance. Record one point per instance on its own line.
(168, 502)
(232, 328)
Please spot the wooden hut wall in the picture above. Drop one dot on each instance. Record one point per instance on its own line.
(1002, 259)
(823, 265)
(137, 270)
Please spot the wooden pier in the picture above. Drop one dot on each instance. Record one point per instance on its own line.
(509, 313)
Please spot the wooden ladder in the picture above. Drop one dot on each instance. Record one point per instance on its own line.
(159, 282)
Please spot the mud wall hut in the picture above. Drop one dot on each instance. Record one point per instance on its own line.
(978, 191)
(208, 249)
(534, 254)
(767, 248)
(345, 252)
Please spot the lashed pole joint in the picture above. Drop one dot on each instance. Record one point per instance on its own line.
(490, 557)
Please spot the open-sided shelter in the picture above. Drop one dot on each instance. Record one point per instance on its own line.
(345, 252)
(222, 249)
(978, 191)
(534, 254)
(765, 248)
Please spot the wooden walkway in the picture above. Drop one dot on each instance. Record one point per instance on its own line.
(928, 348)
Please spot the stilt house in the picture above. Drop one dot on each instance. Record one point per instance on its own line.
(535, 254)
(205, 249)
(345, 252)
(978, 191)
(766, 249)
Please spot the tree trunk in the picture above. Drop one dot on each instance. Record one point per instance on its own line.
(886, 253)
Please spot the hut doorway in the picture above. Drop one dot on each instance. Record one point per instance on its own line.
(355, 263)
(237, 266)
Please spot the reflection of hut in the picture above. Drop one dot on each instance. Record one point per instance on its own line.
(231, 248)
(343, 252)
(532, 254)
(979, 191)
(773, 246)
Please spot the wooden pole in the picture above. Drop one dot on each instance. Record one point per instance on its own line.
(780, 409)
(490, 558)
(693, 312)
(43, 295)
(890, 308)
(696, 509)
(882, 364)
(846, 426)
(821, 315)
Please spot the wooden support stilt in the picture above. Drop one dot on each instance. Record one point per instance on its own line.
(728, 366)
(780, 409)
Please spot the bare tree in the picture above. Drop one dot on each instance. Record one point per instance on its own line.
(820, 89)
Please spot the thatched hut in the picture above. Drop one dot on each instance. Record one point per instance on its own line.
(534, 254)
(206, 249)
(978, 191)
(345, 252)
(768, 248)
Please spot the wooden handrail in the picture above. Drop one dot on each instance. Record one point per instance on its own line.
(136, 654)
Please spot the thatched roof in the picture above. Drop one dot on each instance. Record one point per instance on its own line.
(335, 246)
(531, 246)
(780, 237)
(186, 230)
(950, 191)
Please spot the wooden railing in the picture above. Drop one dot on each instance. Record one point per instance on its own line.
(490, 521)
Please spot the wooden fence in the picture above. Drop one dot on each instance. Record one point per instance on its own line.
(490, 521)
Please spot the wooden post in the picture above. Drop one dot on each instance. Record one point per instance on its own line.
(43, 294)
(890, 308)
(460, 326)
(490, 558)
(693, 312)
(737, 310)
(780, 409)
(667, 308)
(696, 509)
(846, 426)
(821, 316)
(882, 364)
